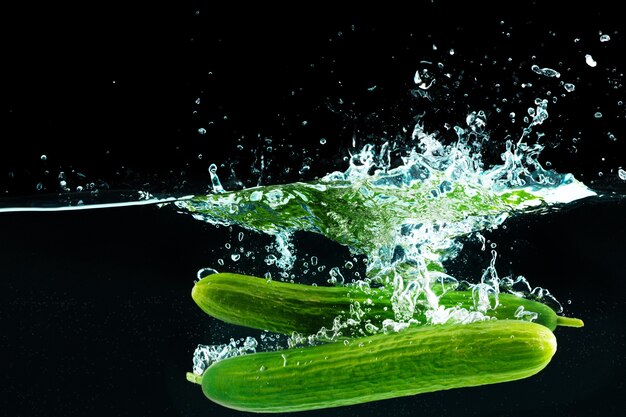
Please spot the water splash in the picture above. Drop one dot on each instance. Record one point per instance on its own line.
(406, 218)
(206, 355)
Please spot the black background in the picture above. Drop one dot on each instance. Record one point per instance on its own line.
(94, 305)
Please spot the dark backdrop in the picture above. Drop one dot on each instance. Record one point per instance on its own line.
(94, 305)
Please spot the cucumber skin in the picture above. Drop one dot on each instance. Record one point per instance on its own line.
(285, 308)
(417, 360)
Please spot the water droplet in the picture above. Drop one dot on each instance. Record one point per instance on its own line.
(220, 261)
(235, 257)
(569, 87)
(39, 186)
(548, 72)
(199, 156)
(314, 260)
(621, 174)
(605, 38)
(202, 131)
(198, 100)
(44, 157)
(597, 115)
(590, 61)
(416, 78)
(348, 265)
(451, 51)
(215, 181)
(240, 236)
(512, 115)
(227, 245)
(323, 141)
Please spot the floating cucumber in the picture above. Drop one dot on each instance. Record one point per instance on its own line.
(285, 308)
(416, 360)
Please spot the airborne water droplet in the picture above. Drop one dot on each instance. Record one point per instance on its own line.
(548, 72)
(590, 61)
(605, 38)
(621, 174)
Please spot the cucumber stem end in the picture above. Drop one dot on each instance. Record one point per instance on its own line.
(196, 379)
(569, 322)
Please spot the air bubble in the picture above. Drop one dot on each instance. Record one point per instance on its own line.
(205, 272)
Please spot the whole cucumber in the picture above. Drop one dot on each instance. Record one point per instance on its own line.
(285, 308)
(416, 360)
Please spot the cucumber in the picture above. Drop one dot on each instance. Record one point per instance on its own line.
(417, 360)
(285, 308)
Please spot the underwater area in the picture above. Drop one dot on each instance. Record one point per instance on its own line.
(411, 151)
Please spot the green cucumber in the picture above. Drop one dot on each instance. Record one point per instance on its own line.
(417, 360)
(285, 308)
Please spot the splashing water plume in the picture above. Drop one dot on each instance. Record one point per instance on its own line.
(407, 219)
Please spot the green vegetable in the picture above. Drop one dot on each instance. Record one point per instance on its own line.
(285, 308)
(417, 360)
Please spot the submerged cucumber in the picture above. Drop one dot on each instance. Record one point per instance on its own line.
(417, 360)
(285, 308)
